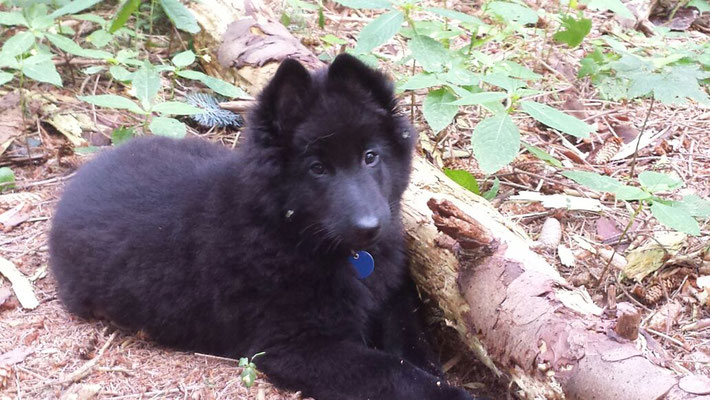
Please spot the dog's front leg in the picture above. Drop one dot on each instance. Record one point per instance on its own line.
(401, 331)
(344, 370)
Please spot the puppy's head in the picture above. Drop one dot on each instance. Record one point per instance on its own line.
(343, 149)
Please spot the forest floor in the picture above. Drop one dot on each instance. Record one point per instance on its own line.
(47, 353)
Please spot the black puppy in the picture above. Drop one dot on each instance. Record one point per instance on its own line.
(266, 249)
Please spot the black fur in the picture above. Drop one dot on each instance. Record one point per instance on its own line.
(237, 253)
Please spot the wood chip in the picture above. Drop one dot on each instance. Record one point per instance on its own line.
(20, 284)
(16, 355)
(560, 201)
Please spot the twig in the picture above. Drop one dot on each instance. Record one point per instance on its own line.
(664, 336)
(638, 141)
(623, 234)
(85, 369)
(217, 357)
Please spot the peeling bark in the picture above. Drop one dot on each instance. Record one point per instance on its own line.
(511, 307)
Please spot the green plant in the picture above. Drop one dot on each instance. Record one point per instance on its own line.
(670, 75)
(178, 14)
(469, 182)
(249, 372)
(676, 214)
(498, 86)
(7, 178)
(146, 85)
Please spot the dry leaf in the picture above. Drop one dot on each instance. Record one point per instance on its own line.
(81, 392)
(14, 216)
(16, 355)
(667, 313)
(20, 285)
(651, 256)
(567, 258)
(626, 132)
(11, 199)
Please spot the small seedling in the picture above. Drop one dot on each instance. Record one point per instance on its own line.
(249, 373)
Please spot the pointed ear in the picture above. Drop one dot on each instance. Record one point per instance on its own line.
(347, 70)
(283, 102)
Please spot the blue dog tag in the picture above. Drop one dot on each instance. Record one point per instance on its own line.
(363, 263)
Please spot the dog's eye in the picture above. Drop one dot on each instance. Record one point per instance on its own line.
(317, 169)
(371, 158)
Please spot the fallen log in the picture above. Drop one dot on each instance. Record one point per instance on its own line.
(510, 306)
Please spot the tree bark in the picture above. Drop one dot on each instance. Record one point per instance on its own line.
(510, 306)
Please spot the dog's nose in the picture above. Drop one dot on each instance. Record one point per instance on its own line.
(367, 228)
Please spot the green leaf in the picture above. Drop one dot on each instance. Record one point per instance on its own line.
(73, 7)
(496, 141)
(517, 71)
(602, 183)
(430, 54)
(420, 81)
(8, 61)
(128, 8)
(18, 44)
(146, 83)
(184, 59)
(557, 119)
(511, 85)
(511, 12)
(701, 5)
(656, 182)
(617, 6)
(91, 18)
(437, 110)
(41, 68)
(672, 86)
(86, 150)
(463, 178)
(447, 13)
(543, 155)
(379, 31)
(113, 101)
(480, 98)
(675, 218)
(491, 193)
(574, 30)
(122, 135)
(180, 15)
(219, 86)
(37, 17)
(694, 205)
(176, 108)
(7, 178)
(99, 38)
(93, 70)
(67, 45)
(365, 4)
(5, 77)
(460, 76)
(169, 127)
(224, 88)
(12, 18)
(120, 74)
(332, 39)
